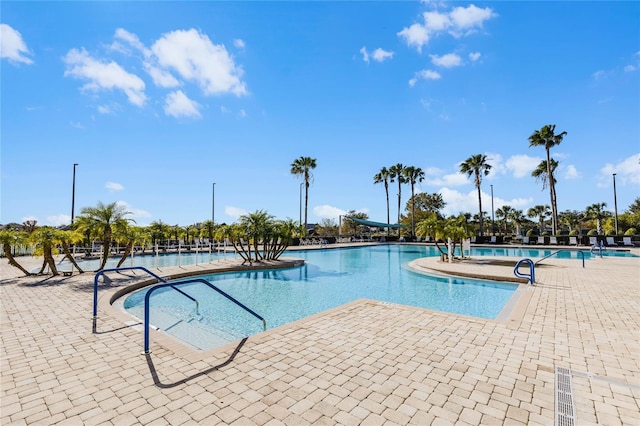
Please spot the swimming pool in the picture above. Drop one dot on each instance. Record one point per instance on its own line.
(328, 279)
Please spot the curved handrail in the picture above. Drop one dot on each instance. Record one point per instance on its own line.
(128, 268)
(147, 298)
(556, 252)
(598, 247)
(531, 277)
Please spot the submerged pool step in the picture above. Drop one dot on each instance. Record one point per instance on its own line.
(190, 332)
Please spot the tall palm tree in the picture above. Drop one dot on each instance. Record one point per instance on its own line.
(100, 222)
(541, 173)
(396, 175)
(541, 212)
(413, 175)
(597, 212)
(546, 137)
(517, 217)
(302, 167)
(383, 176)
(477, 165)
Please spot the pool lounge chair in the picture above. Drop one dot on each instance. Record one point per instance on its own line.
(553, 241)
(611, 242)
(573, 241)
(493, 239)
(626, 242)
(593, 241)
(540, 240)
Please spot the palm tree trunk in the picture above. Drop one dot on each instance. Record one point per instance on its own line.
(552, 193)
(106, 248)
(413, 212)
(386, 189)
(399, 197)
(12, 260)
(49, 260)
(69, 255)
(127, 252)
(480, 209)
(306, 201)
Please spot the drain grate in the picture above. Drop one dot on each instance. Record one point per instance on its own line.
(565, 409)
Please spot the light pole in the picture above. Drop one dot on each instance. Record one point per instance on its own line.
(615, 204)
(73, 192)
(492, 213)
(213, 204)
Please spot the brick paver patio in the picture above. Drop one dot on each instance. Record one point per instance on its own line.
(365, 363)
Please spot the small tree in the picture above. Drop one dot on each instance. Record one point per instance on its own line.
(10, 239)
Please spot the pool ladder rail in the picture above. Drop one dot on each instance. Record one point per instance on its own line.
(532, 265)
(164, 283)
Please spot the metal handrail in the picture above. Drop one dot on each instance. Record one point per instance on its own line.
(532, 268)
(599, 247)
(129, 268)
(556, 252)
(147, 298)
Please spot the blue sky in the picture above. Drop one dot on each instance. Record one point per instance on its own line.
(156, 101)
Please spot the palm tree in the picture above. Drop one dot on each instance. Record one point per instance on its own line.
(383, 176)
(517, 217)
(396, 175)
(45, 240)
(413, 175)
(302, 167)
(597, 212)
(541, 212)
(505, 212)
(100, 222)
(546, 137)
(10, 238)
(477, 165)
(66, 239)
(130, 236)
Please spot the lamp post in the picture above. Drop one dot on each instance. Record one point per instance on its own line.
(615, 204)
(492, 212)
(213, 204)
(73, 192)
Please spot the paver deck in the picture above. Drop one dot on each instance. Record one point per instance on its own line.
(365, 363)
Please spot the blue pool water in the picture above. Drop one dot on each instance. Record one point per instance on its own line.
(328, 279)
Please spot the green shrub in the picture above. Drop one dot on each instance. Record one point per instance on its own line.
(592, 233)
(573, 233)
(532, 232)
(611, 233)
(631, 231)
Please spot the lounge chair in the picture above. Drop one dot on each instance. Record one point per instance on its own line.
(525, 240)
(540, 240)
(626, 242)
(553, 241)
(593, 241)
(493, 239)
(573, 241)
(611, 242)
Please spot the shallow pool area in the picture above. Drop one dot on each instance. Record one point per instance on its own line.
(328, 279)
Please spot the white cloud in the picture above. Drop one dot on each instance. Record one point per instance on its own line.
(424, 75)
(381, 55)
(177, 104)
(474, 56)
(242, 113)
(195, 58)
(630, 68)
(12, 46)
(459, 22)
(451, 179)
(160, 77)
(113, 186)
(58, 220)
(76, 124)
(470, 17)
(459, 202)
(447, 61)
(436, 21)
(416, 35)
(135, 213)
(328, 212)
(132, 40)
(104, 76)
(108, 109)
(365, 54)
(234, 212)
(522, 165)
(599, 74)
(627, 172)
(239, 43)
(572, 173)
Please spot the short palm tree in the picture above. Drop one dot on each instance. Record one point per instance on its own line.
(413, 175)
(67, 239)
(383, 176)
(45, 239)
(477, 165)
(100, 222)
(302, 167)
(541, 212)
(396, 175)
(518, 218)
(546, 137)
(10, 238)
(505, 213)
(598, 213)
